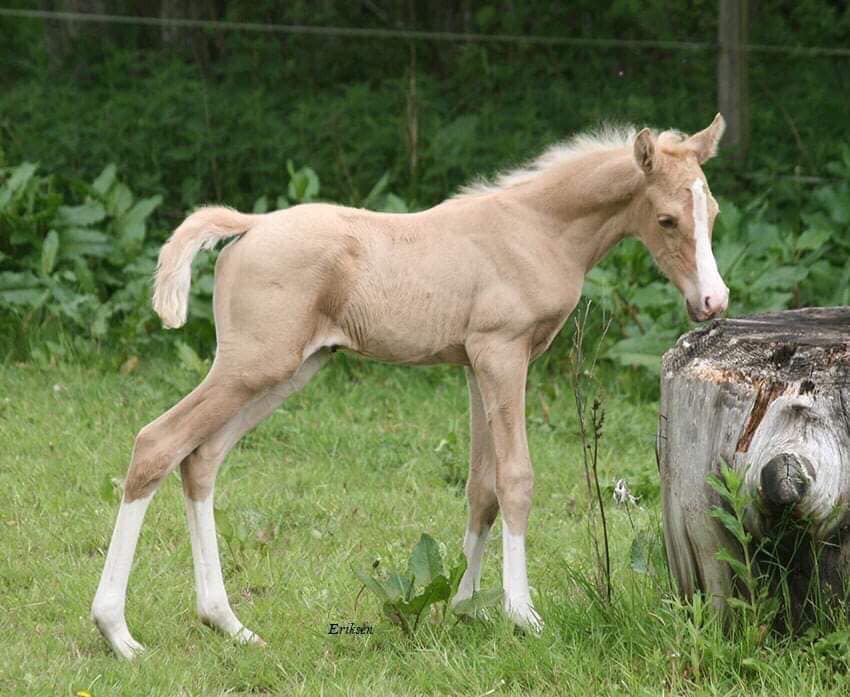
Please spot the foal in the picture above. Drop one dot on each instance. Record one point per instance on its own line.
(484, 280)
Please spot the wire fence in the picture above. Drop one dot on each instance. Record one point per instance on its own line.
(410, 34)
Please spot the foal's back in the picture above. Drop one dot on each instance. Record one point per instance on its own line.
(396, 287)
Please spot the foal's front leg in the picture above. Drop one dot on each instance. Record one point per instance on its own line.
(501, 371)
(480, 492)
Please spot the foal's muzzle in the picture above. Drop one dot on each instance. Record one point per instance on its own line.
(711, 306)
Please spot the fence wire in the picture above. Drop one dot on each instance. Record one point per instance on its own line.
(410, 34)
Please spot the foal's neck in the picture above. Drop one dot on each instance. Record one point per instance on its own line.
(587, 201)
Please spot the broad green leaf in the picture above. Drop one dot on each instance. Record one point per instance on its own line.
(131, 225)
(437, 591)
(15, 280)
(105, 179)
(80, 216)
(729, 219)
(398, 587)
(49, 251)
(29, 297)
(478, 602)
(739, 604)
(737, 565)
(20, 177)
(261, 205)
(303, 184)
(813, 238)
(119, 201)
(835, 202)
(425, 563)
(730, 522)
(391, 611)
(653, 295)
(371, 584)
(84, 242)
(85, 278)
(394, 204)
(651, 361)
(100, 324)
(719, 485)
(377, 190)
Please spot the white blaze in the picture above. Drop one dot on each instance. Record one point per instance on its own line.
(708, 281)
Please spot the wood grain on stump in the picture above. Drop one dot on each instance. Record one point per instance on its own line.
(769, 395)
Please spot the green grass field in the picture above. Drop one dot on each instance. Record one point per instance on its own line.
(350, 470)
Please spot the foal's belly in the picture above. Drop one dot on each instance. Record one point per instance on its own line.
(408, 337)
(406, 322)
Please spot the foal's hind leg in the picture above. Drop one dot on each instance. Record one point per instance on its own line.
(158, 449)
(480, 492)
(198, 472)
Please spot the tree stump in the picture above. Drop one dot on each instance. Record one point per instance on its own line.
(769, 395)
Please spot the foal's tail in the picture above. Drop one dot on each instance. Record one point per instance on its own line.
(201, 230)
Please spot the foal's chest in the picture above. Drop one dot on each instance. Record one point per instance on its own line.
(544, 334)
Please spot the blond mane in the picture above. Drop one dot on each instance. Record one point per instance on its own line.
(603, 139)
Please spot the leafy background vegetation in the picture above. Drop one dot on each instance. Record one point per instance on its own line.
(182, 117)
(110, 135)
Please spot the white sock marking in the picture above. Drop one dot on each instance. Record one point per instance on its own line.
(108, 606)
(473, 550)
(518, 603)
(212, 602)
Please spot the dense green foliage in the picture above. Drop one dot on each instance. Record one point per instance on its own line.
(192, 116)
(221, 116)
(78, 258)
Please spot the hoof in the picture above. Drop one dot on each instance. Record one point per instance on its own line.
(125, 646)
(246, 636)
(114, 630)
(524, 616)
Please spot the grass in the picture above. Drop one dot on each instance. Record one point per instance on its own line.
(353, 469)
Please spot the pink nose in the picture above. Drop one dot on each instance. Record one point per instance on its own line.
(716, 303)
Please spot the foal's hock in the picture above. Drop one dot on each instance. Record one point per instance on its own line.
(484, 280)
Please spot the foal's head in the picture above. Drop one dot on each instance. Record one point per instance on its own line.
(677, 214)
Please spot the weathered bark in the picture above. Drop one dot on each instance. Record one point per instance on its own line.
(767, 394)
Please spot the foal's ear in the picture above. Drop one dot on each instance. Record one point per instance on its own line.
(645, 151)
(705, 143)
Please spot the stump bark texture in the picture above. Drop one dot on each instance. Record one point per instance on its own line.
(769, 395)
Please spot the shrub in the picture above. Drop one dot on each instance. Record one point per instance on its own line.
(78, 257)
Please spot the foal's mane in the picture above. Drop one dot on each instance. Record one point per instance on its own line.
(606, 138)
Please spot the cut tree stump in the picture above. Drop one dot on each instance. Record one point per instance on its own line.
(769, 395)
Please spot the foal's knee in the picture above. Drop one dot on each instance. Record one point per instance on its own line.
(150, 463)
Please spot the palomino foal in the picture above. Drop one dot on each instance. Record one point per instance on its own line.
(484, 280)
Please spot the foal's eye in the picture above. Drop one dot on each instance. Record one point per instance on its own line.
(668, 222)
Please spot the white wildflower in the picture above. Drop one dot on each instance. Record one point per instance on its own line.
(622, 495)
